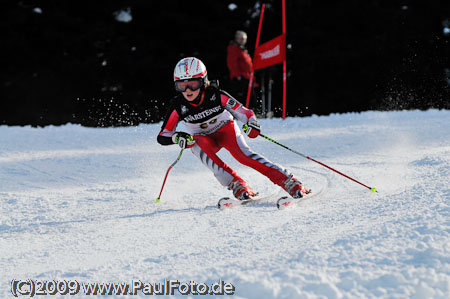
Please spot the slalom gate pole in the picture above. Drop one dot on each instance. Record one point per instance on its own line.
(318, 162)
(167, 173)
(252, 73)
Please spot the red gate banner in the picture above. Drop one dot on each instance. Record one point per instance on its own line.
(269, 53)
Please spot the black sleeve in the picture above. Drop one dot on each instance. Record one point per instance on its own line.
(164, 140)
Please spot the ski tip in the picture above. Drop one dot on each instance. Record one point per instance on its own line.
(222, 204)
(157, 199)
(281, 203)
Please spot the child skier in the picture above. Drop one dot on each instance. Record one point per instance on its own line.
(208, 112)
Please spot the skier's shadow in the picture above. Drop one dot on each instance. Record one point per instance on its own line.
(171, 211)
(194, 210)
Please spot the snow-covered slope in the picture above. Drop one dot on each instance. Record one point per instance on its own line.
(79, 204)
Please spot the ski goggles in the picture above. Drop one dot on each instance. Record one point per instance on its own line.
(191, 84)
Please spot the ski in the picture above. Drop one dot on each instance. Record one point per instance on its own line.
(227, 202)
(285, 202)
(282, 203)
(288, 202)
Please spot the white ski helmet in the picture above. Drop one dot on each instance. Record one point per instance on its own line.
(189, 68)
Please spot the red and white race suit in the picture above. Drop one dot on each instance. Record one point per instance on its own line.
(209, 120)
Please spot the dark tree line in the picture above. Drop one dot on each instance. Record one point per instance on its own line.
(73, 61)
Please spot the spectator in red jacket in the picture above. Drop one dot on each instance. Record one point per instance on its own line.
(240, 65)
(238, 60)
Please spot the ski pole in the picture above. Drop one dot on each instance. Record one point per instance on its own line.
(309, 158)
(167, 173)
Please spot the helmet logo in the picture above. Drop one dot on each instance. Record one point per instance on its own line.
(181, 64)
(186, 69)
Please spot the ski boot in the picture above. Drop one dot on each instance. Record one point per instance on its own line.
(241, 190)
(294, 187)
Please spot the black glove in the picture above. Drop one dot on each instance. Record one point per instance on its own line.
(183, 139)
(252, 128)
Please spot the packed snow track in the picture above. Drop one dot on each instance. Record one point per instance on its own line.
(79, 204)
